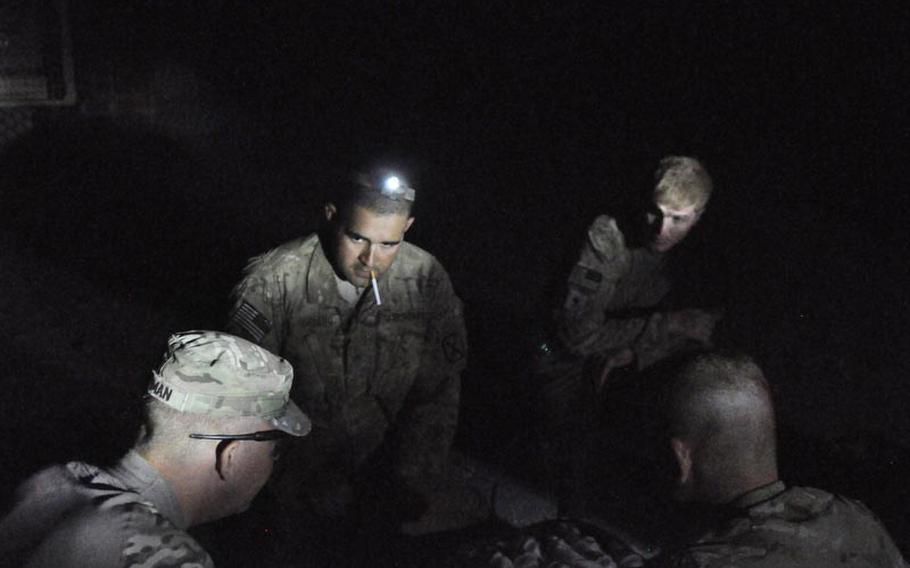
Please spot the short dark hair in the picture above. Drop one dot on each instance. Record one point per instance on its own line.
(365, 190)
(721, 403)
(700, 390)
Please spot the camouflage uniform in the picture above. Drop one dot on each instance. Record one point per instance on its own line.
(563, 543)
(218, 375)
(128, 515)
(361, 368)
(81, 515)
(613, 302)
(798, 526)
(612, 299)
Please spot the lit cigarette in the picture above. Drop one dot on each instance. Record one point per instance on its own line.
(375, 288)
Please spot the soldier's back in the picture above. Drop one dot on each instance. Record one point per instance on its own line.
(78, 515)
(802, 527)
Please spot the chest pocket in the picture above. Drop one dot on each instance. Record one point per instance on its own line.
(402, 342)
(314, 349)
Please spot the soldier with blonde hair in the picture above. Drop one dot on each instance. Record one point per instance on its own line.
(216, 414)
(614, 291)
(614, 315)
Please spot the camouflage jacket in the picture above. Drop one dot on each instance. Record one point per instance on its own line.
(613, 299)
(797, 526)
(360, 369)
(562, 543)
(81, 515)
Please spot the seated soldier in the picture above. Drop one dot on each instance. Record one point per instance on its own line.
(216, 412)
(722, 433)
(722, 425)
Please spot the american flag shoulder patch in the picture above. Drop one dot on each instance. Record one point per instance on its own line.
(250, 320)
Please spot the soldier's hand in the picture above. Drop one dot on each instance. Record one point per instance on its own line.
(621, 359)
(695, 324)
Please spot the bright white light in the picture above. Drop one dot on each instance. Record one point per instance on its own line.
(392, 183)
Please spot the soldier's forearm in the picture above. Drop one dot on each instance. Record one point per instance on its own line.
(598, 338)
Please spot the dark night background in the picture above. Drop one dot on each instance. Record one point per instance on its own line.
(207, 132)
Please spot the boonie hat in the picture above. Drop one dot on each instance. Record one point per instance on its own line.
(218, 374)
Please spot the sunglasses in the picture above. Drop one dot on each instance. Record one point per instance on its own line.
(280, 437)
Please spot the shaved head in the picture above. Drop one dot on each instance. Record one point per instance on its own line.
(721, 413)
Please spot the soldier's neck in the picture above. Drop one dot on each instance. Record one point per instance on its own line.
(348, 292)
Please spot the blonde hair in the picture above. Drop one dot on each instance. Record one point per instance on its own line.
(682, 182)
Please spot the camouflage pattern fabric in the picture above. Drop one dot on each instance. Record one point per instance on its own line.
(614, 302)
(799, 526)
(81, 515)
(363, 368)
(217, 374)
(613, 297)
(562, 544)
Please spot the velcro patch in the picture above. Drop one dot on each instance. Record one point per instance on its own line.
(585, 277)
(250, 320)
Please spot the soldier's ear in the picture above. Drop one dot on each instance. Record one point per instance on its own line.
(683, 453)
(330, 211)
(226, 456)
(408, 224)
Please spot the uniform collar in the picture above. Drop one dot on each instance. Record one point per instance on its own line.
(139, 475)
(759, 495)
(320, 280)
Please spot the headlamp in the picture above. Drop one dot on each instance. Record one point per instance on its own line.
(391, 183)
(396, 188)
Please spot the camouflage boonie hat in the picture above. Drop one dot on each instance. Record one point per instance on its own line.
(218, 374)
